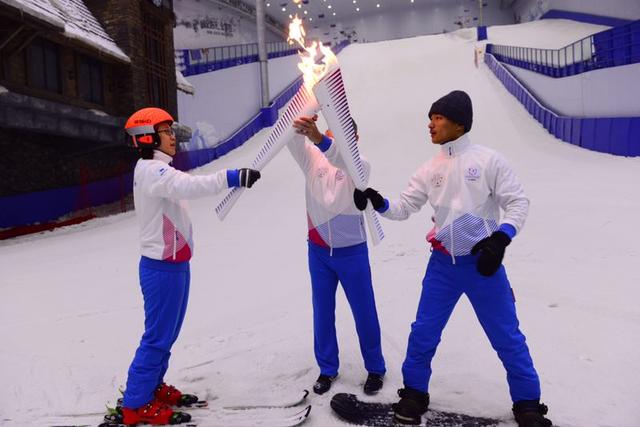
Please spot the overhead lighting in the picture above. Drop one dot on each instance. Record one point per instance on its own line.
(329, 7)
(334, 14)
(284, 9)
(357, 9)
(378, 5)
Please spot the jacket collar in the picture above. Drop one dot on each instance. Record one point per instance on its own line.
(163, 157)
(456, 147)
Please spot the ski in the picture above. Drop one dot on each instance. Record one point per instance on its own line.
(295, 402)
(272, 417)
(372, 414)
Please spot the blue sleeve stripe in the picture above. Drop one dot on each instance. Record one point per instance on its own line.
(325, 143)
(233, 178)
(508, 229)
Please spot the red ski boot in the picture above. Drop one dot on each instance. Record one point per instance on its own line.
(172, 396)
(154, 413)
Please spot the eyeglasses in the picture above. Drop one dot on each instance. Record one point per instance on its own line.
(169, 132)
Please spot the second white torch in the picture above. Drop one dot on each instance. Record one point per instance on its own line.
(331, 96)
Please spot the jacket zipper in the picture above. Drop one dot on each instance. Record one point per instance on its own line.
(330, 240)
(175, 243)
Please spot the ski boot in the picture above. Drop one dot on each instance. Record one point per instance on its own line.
(323, 384)
(154, 413)
(373, 384)
(172, 396)
(412, 405)
(530, 413)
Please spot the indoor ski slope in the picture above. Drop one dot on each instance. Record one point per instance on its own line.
(71, 309)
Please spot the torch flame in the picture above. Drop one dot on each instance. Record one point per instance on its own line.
(312, 71)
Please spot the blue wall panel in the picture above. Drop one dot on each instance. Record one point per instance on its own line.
(620, 136)
(634, 137)
(588, 134)
(602, 139)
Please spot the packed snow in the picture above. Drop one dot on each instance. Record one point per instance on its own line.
(71, 309)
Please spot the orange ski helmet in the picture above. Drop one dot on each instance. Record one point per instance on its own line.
(141, 126)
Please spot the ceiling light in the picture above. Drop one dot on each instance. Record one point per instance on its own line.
(329, 7)
(334, 14)
(357, 9)
(378, 5)
(284, 9)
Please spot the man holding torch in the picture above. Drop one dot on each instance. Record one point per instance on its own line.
(337, 252)
(467, 185)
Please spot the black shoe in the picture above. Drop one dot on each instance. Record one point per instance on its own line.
(412, 405)
(373, 384)
(530, 413)
(323, 384)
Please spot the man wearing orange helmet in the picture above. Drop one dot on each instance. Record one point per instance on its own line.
(166, 247)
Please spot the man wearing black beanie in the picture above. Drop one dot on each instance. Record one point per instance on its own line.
(467, 185)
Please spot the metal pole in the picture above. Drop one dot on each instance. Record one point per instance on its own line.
(480, 7)
(262, 52)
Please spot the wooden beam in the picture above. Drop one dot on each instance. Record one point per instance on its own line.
(11, 37)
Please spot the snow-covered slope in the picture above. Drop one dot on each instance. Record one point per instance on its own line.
(71, 309)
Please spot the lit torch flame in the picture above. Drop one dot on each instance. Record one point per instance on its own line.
(311, 70)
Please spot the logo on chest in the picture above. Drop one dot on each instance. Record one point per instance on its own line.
(472, 174)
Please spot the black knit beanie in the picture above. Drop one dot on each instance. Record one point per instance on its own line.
(455, 106)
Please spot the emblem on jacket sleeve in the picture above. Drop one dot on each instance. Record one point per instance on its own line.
(437, 180)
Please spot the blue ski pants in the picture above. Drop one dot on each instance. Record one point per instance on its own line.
(165, 288)
(494, 304)
(349, 266)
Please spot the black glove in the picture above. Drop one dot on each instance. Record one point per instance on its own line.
(360, 199)
(377, 201)
(247, 177)
(491, 252)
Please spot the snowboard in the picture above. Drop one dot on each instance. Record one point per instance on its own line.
(349, 408)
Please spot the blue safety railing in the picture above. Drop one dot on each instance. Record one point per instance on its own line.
(198, 61)
(614, 135)
(610, 48)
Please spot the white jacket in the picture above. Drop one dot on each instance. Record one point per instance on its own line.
(466, 184)
(158, 193)
(332, 217)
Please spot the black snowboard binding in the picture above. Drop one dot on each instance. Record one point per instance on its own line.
(530, 413)
(412, 405)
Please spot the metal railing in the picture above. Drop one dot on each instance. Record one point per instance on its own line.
(198, 61)
(610, 48)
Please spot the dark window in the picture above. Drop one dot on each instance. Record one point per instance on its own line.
(155, 61)
(43, 66)
(90, 82)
